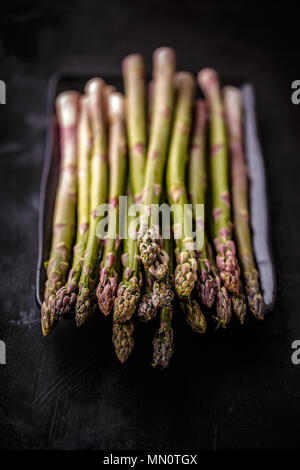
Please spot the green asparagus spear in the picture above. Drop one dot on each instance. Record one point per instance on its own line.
(135, 92)
(163, 339)
(186, 269)
(233, 108)
(86, 299)
(154, 258)
(67, 106)
(163, 294)
(66, 295)
(225, 246)
(107, 287)
(197, 186)
(129, 290)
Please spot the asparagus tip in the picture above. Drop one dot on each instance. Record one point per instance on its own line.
(207, 289)
(122, 340)
(162, 292)
(227, 262)
(48, 320)
(162, 347)
(185, 275)
(194, 316)
(127, 299)
(65, 299)
(254, 296)
(239, 307)
(85, 306)
(106, 290)
(223, 307)
(146, 309)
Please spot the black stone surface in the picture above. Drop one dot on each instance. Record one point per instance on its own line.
(237, 389)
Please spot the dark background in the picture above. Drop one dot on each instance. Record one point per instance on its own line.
(233, 389)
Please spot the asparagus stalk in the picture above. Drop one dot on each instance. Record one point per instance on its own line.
(197, 186)
(66, 295)
(150, 104)
(135, 91)
(86, 299)
(225, 246)
(128, 295)
(194, 316)
(163, 339)
(107, 287)
(186, 269)
(223, 301)
(154, 258)
(233, 108)
(67, 106)
(129, 290)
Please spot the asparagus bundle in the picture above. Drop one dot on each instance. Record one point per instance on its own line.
(66, 295)
(217, 280)
(197, 186)
(135, 91)
(107, 287)
(86, 299)
(225, 246)
(186, 269)
(154, 258)
(233, 108)
(67, 107)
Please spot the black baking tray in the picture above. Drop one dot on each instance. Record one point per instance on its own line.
(259, 213)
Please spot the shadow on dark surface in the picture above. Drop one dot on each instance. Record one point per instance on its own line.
(233, 389)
